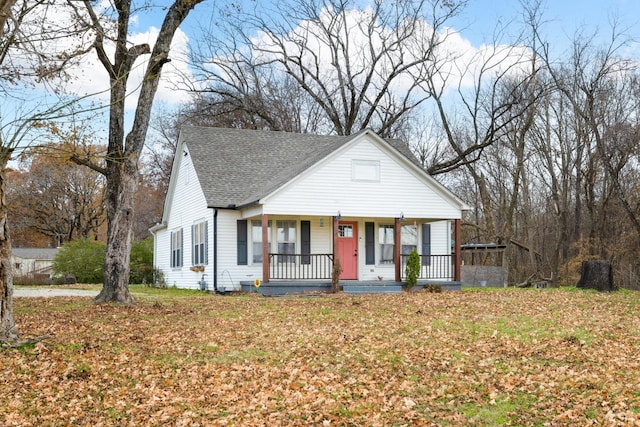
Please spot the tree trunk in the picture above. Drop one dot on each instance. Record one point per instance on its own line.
(598, 275)
(121, 187)
(121, 169)
(8, 329)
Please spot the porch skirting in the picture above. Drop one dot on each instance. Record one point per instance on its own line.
(347, 286)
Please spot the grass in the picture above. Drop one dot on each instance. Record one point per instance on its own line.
(478, 357)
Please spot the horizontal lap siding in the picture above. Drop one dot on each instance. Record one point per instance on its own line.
(329, 188)
(230, 274)
(188, 205)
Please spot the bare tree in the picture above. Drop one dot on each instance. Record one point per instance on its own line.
(123, 151)
(359, 68)
(597, 84)
(23, 38)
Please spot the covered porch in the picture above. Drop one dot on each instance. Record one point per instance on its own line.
(371, 253)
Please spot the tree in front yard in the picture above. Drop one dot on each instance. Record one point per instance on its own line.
(124, 149)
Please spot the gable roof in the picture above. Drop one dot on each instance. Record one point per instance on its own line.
(237, 167)
(35, 253)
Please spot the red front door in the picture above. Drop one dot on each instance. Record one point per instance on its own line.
(348, 249)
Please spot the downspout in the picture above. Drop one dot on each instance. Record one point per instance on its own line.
(215, 250)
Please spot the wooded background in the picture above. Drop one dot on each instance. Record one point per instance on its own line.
(540, 137)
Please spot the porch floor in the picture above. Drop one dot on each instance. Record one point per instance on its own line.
(347, 286)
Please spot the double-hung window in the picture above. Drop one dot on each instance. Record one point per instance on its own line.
(176, 248)
(409, 239)
(199, 238)
(286, 232)
(256, 238)
(386, 242)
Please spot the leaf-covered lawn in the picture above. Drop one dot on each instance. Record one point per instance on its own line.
(518, 357)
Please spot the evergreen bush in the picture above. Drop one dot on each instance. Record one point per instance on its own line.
(412, 271)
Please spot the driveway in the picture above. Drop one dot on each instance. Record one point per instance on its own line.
(37, 292)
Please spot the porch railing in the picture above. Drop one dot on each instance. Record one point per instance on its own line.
(320, 266)
(432, 266)
(299, 266)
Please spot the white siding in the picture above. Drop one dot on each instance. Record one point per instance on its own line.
(331, 186)
(230, 274)
(186, 207)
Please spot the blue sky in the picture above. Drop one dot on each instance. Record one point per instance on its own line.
(480, 17)
(562, 17)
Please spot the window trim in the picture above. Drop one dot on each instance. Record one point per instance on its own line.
(176, 254)
(289, 241)
(380, 260)
(199, 249)
(257, 223)
(365, 170)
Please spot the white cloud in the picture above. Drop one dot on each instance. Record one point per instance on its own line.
(90, 77)
(87, 76)
(459, 62)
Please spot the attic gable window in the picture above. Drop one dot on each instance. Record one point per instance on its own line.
(365, 170)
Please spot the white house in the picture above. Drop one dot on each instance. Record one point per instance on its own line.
(33, 263)
(283, 207)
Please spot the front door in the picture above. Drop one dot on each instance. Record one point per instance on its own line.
(348, 249)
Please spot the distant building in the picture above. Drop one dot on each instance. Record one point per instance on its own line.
(33, 264)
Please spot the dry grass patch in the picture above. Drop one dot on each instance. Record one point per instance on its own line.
(518, 357)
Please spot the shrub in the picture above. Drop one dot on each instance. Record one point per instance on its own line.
(83, 259)
(412, 271)
(141, 262)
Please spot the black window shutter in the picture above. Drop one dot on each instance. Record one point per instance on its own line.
(370, 243)
(426, 244)
(305, 242)
(173, 251)
(194, 248)
(206, 243)
(181, 255)
(242, 242)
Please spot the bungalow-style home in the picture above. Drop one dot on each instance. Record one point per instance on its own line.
(250, 208)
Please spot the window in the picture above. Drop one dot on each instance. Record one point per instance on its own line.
(199, 238)
(365, 170)
(426, 244)
(176, 248)
(241, 241)
(370, 243)
(256, 238)
(409, 239)
(345, 230)
(385, 239)
(286, 240)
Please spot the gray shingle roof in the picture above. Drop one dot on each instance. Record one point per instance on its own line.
(237, 167)
(35, 253)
